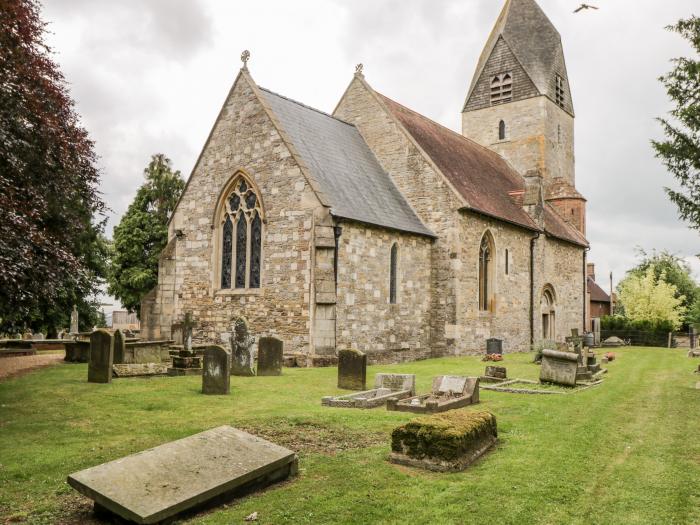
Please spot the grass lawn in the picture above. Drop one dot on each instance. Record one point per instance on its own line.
(624, 452)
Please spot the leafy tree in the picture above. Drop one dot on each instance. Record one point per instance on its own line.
(680, 152)
(651, 300)
(50, 234)
(674, 270)
(142, 233)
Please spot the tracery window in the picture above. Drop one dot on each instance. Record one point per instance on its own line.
(501, 87)
(486, 252)
(559, 91)
(501, 130)
(393, 274)
(241, 242)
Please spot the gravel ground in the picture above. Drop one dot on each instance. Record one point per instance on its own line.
(14, 366)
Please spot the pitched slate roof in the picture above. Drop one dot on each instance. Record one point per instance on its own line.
(346, 170)
(534, 41)
(480, 175)
(597, 293)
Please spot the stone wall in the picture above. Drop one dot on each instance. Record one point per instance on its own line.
(425, 190)
(366, 320)
(243, 138)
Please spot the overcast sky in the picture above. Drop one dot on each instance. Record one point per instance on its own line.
(150, 76)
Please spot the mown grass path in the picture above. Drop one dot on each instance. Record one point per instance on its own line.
(626, 452)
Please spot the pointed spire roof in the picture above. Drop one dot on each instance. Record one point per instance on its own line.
(534, 41)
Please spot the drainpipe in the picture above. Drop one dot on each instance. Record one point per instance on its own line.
(585, 286)
(532, 287)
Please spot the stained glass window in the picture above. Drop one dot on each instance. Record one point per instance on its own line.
(241, 256)
(255, 248)
(226, 246)
(241, 248)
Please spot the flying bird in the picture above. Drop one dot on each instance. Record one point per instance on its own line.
(585, 6)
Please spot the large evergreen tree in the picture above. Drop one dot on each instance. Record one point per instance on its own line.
(51, 249)
(680, 152)
(142, 233)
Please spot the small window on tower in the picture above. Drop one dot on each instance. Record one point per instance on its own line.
(501, 130)
(501, 88)
(559, 91)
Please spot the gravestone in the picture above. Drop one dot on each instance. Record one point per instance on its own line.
(119, 346)
(352, 370)
(74, 321)
(270, 356)
(101, 357)
(386, 386)
(494, 346)
(38, 336)
(559, 367)
(216, 376)
(498, 372)
(27, 336)
(157, 484)
(448, 392)
(186, 361)
(241, 349)
(139, 370)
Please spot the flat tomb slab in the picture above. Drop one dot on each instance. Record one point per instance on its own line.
(140, 370)
(161, 482)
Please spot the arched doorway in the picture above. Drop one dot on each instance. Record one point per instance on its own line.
(548, 309)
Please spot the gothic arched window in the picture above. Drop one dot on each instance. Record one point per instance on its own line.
(501, 130)
(241, 238)
(486, 273)
(393, 273)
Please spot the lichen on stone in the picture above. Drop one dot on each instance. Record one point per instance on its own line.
(446, 436)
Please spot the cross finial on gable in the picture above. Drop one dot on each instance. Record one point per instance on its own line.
(358, 69)
(245, 56)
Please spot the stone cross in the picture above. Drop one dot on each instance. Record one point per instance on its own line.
(74, 320)
(245, 56)
(187, 325)
(241, 349)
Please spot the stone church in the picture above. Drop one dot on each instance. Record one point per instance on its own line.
(377, 228)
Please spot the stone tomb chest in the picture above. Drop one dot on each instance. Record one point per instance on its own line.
(559, 367)
(386, 386)
(448, 392)
(161, 482)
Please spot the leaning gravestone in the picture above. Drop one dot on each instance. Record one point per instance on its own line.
(216, 376)
(270, 356)
(101, 357)
(352, 370)
(155, 485)
(559, 367)
(241, 349)
(119, 346)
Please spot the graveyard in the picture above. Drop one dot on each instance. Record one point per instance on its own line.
(623, 451)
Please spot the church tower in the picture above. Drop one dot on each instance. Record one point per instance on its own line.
(519, 104)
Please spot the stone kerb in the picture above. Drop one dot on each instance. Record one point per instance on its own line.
(101, 357)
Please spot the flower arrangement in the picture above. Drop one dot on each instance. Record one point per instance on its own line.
(493, 357)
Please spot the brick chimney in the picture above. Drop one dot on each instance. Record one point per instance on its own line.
(590, 270)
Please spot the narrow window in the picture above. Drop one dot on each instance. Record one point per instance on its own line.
(393, 273)
(226, 247)
(241, 238)
(501, 130)
(559, 91)
(485, 273)
(501, 88)
(507, 261)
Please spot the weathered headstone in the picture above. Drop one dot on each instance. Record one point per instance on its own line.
(155, 485)
(494, 346)
(74, 329)
(101, 357)
(386, 386)
(216, 376)
(186, 362)
(241, 349)
(119, 346)
(270, 357)
(559, 367)
(139, 370)
(448, 392)
(187, 326)
(352, 370)
(27, 336)
(498, 372)
(38, 336)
